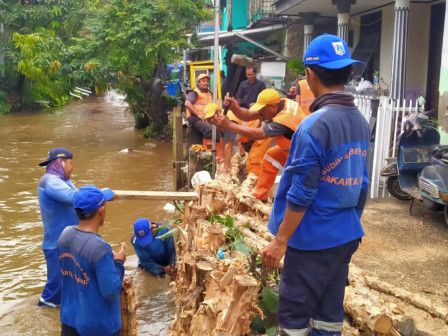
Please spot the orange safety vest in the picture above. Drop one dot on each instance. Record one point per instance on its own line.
(290, 116)
(203, 99)
(306, 96)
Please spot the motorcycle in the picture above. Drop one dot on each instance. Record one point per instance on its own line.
(433, 181)
(420, 171)
(390, 170)
(417, 133)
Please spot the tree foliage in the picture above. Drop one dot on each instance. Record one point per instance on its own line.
(99, 43)
(129, 41)
(36, 45)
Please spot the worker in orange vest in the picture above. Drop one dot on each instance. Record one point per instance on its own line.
(256, 149)
(195, 103)
(303, 94)
(283, 116)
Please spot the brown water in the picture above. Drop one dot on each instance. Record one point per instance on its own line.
(95, 130)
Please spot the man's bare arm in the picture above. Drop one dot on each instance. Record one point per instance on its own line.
(274, 252)
(189, 106)
(241, 112)
(248, 132)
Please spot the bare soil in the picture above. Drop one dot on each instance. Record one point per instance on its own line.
(408, 251)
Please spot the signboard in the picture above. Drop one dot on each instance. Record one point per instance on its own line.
(273, 69)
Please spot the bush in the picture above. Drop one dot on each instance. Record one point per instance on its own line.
(5, 108)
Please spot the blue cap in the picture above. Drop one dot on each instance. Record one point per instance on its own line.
(90, 198)
(328, 51)
(57, 153)
(143, 231)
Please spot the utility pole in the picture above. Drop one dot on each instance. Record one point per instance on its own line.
(215, 82)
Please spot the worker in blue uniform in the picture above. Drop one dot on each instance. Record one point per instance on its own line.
(156, 256)
(316, 216)
(55, 191)
(92, 274)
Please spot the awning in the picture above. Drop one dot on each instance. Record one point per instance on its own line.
(243, 35)
(325, 7)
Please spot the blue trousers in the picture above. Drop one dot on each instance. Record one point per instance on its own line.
(51, 296)
(312, 289)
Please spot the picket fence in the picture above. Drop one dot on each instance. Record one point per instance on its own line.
(387, 130)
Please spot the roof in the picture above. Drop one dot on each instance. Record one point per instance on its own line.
(232, 37)
(325, 7)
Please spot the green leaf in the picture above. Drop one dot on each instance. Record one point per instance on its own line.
(179, 206)
(272, 331)
(168, 234)
(228, 222)
(270, 300)
(257, 325)
(241, 247)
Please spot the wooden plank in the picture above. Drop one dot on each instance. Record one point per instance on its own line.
(155, 195)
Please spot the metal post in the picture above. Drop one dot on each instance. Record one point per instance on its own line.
(215, 81)
(185, 52)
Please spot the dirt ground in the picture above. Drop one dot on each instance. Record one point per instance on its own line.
(408, 251)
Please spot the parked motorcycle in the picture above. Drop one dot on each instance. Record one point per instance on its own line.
(433, 181)
(420, 171)
(390, 170)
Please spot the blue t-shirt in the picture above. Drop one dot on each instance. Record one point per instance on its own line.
(155, 256)
(326, 176)
(91, 283)
(56, 208)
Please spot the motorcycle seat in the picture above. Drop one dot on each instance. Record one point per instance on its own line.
(440, 152)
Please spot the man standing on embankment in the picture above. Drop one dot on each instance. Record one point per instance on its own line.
(317, 210)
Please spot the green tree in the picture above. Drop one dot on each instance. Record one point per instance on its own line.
(43, 28)
(129, 41)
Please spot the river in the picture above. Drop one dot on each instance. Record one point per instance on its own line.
(94, 130)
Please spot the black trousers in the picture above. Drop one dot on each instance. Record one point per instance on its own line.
(202, 127)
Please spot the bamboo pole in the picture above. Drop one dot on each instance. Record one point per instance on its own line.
(155, 195)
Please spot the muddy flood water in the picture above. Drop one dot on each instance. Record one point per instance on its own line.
(95, 130)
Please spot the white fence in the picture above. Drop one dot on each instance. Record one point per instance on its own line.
(388, 128)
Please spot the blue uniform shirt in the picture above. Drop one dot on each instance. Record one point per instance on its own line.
(326, 176)
(155, 256)
(56, 208)
(91, 283)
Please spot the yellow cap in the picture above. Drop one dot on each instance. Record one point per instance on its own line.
(210, 110)
(266, 97)
(233, 117)
(201, 76)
